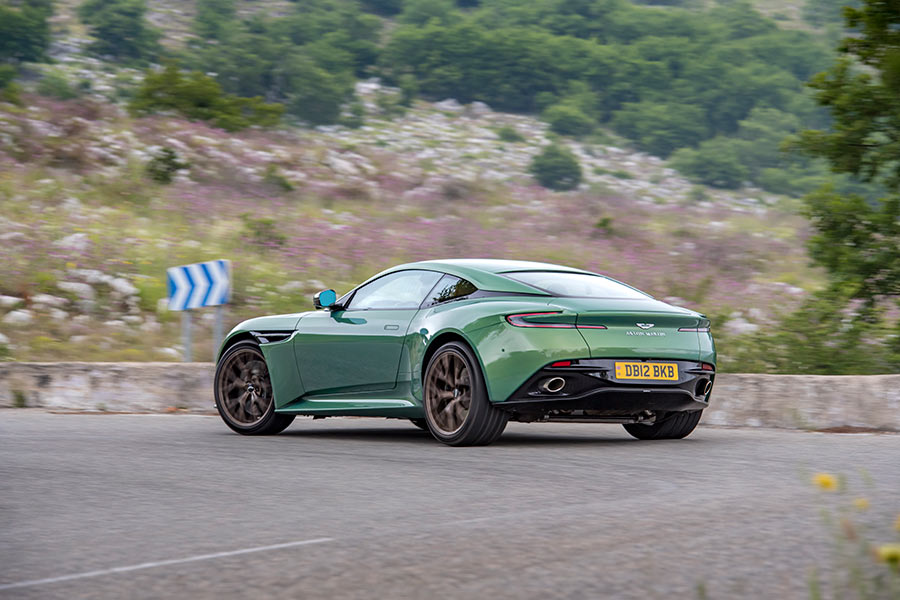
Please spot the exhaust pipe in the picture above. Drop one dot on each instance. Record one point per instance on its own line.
(704, 387)
(552, 385)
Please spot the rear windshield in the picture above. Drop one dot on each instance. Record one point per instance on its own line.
(579, 285)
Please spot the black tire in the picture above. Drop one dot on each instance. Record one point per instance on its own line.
(674, 426)
(482, 423)
(249, 410)
(420, 423)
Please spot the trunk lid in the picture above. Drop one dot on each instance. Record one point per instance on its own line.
(635, 328)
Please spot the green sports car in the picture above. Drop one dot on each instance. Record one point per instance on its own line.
(460, 347)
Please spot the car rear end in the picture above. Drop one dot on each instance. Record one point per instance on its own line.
(645, 359)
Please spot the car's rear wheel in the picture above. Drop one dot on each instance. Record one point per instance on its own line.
(673, 426)
(457, 409)
(243, 391)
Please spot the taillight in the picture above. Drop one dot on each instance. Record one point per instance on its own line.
(591, 326)
(562, 363)
(695, 329)
(707, 367)
(535, 320)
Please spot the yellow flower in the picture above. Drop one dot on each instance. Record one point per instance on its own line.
(861, 504)
(825, 481)
(890, 553)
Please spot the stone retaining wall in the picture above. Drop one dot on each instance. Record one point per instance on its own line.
(790, 401)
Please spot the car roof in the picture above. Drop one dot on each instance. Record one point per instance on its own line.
(485, 273)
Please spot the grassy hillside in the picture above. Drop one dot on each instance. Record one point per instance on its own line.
(87, 234)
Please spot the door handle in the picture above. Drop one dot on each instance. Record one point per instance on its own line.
(391, 327)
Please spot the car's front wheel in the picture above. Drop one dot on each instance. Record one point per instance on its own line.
(457, 409)
(673, 426)
(243, 391)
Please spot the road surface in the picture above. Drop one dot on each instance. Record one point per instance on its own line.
(177, 506)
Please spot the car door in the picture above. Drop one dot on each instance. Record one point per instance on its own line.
(358, 348)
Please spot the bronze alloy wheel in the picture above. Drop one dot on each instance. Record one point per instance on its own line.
(448, 392)
(245, 390)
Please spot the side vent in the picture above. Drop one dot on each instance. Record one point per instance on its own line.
(271, 337)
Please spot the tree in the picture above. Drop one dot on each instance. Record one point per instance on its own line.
(661, 128)
(119, 29)
(556, 168)
(25, 31)
(715, 162)
(197, 96)
(567, 119)
(315, 94)
(859, 241)
(213, 17)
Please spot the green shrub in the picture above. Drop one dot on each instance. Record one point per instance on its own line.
(567, 119)
(197, 96)
(55, 85)
(556, 168)
(510, 134)
(715, 162)
(164, 164)
(119, 29)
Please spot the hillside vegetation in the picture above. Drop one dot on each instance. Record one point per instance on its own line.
(315, 143)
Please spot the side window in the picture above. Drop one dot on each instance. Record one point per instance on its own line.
(449, 288)
(403, 289)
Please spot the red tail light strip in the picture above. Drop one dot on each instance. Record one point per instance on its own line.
(695, 329)
(519, 321)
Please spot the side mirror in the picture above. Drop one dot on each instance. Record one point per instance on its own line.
(324, 299)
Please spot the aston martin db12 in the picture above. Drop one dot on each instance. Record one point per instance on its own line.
(461, 347)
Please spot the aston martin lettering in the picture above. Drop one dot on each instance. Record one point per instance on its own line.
(647, 333)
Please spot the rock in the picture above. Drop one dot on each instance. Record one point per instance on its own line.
(13, 236)
(449, 105)
(740, 326)
(162, 305)
(9, 301)
(341, 166)
(170, 352)
(122, 286)
(479, 109)
(4, 341)
(115, 324)
(92, 276)
(48, 300)
(72, 205)
(82, 290)
(18, 317)
(58, 314)
(291, 286)
(150, 325)
(133, 319)
(77, 242)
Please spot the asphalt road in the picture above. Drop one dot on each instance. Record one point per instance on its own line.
(177, 506)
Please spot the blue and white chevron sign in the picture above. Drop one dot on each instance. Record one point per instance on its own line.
(199, 284)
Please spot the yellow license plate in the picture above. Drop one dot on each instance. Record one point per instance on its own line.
(636, 370)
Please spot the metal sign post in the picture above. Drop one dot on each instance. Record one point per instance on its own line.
(195, 286)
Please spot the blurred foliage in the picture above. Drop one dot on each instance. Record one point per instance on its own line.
(120, 29)
(567, 119)
(556, 168)
(213, 18)
(55, 85)
(25, 30)
(164, 165)
(198, 96)
(847, 328)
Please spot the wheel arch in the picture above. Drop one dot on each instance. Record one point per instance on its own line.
(442, 338)
(240, 336)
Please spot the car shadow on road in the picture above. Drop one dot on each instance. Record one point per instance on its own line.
(403, 435)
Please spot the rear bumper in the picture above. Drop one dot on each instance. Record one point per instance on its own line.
(591, 389)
